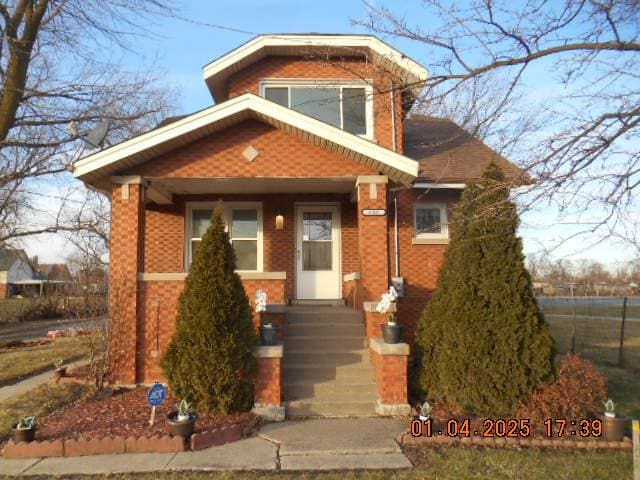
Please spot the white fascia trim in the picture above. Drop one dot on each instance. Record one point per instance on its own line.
(458, 186)
(236, 105)
(354, 41)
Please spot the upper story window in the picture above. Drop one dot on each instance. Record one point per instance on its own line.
(430, 220)
(243, 222)
(346, 106)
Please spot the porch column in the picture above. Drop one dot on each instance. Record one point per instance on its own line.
(126, 260)
(372, 236)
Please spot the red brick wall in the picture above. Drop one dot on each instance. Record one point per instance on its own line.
(165, 230)
(269, 382)
(391, 376)
(281, 155)
(419, 264)
(248, 81)
(156, 320)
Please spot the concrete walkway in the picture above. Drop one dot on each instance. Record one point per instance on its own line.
(32, 382)
(303, 445)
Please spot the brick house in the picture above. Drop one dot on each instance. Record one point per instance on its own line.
(330, 191)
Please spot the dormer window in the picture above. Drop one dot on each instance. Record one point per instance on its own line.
(347, 106)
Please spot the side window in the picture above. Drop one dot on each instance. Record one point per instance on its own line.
(430, 220)
(244, 227)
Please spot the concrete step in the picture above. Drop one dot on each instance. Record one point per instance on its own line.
(303, 408)
(332, 390)
(320, 303)
(308, 329)
(341, 357)
(351, 342)
(324, 373)
(314, 318)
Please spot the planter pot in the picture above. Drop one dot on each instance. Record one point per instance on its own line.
(614, 427)
(27, 435)
(60, 372)
(181, 428)
(391, 333)
(269, 335)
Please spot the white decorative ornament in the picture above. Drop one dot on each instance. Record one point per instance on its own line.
(261, 301)
(250, 153)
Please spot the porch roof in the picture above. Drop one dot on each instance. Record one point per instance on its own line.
(97, 168)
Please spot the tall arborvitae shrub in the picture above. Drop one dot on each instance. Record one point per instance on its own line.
(209, 360)
(482, 342)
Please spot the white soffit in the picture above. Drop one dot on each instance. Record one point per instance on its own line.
(216, 72)
(161, 140)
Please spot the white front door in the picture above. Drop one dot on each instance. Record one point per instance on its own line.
(318, 252)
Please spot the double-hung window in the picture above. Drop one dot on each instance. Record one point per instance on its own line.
(347, 106)
(430, 220)
(243, 222)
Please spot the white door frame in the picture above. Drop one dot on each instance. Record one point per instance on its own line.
(336, 240)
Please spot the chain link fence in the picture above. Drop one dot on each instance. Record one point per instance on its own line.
(603, 329)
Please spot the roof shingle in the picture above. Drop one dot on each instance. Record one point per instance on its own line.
(449, 154)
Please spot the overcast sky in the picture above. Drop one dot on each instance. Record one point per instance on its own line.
(180, 50)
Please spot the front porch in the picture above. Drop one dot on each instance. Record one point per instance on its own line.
(294, 245)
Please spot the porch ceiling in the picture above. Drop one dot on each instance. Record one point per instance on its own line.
(252, 185)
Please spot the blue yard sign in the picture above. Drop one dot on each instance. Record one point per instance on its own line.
(157, 394)
(156, 397)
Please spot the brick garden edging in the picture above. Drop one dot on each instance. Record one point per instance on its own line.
(501, 442)
(115, 445)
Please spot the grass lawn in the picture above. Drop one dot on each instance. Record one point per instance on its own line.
(10, 308)
(38, 402)
(21, 362)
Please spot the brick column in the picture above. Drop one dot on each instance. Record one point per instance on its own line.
(372, 237)
(268, 392)
(390, 363)
(126, 260)
(373, 319)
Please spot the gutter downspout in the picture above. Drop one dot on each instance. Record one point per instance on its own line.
(395, 225)
(394, 138)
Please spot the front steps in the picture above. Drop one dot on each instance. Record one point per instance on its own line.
(326, 367)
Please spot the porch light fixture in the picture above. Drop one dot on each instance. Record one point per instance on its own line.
(279, 220)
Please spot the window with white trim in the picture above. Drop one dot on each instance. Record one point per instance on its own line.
(430, 220)
(346, 106)
(243, 222)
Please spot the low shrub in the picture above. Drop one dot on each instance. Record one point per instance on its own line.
(577, 393)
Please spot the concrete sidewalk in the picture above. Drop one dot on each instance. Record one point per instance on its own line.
(329, 444)
(32, 382)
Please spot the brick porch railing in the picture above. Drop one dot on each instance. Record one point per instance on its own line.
(390, 363)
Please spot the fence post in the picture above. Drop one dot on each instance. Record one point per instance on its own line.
(635, 432)
(573, 329)
(624, 318)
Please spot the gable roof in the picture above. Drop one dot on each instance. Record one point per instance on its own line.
(9, 256)
(447, 153)
(217, 72)
(54, 271)
(98, 167)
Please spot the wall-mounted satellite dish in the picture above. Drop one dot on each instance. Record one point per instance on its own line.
(94, 137)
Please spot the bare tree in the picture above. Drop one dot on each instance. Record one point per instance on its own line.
(587, 51)
(59, 65)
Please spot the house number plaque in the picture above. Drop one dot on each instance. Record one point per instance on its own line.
(374, 212)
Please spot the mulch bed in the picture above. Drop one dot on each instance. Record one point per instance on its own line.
(123, 413)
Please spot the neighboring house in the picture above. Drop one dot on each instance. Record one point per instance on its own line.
(16, 270)
(55, 272)
(329, 189)
(93, 279)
